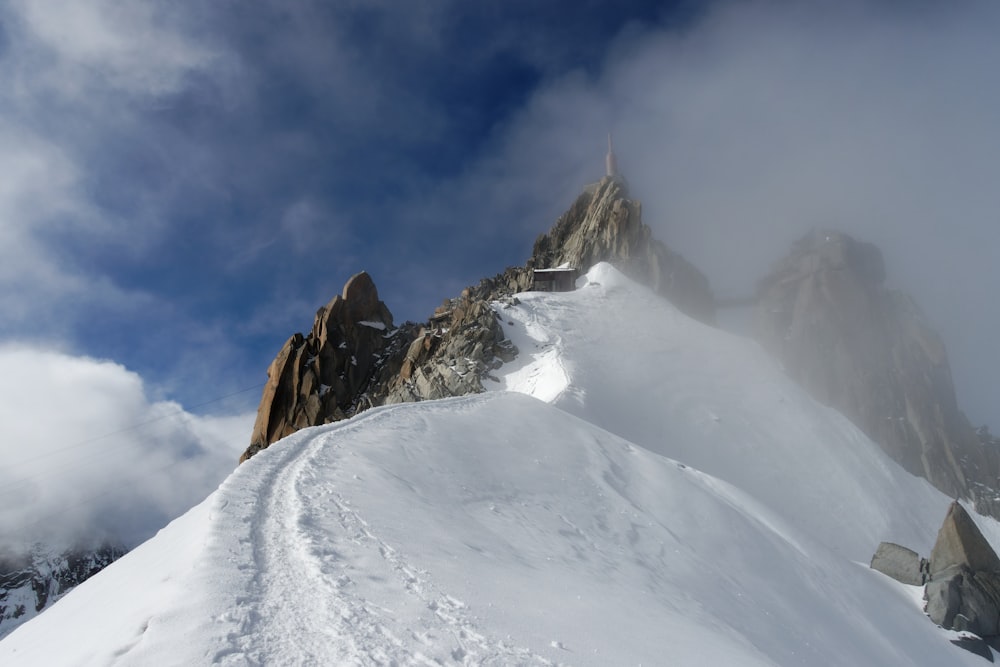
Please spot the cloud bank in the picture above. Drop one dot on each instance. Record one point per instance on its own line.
(88, 456)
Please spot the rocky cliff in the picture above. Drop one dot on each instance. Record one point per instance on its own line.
(355, 357)
(867, 351)
(330, 374)
(31, 581)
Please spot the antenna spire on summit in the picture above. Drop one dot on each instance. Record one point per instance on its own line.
(610, 161)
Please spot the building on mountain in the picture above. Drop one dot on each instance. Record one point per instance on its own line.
(560, 279)
(610, 161)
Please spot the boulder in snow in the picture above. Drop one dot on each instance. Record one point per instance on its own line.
(900, 563)
(964, 590)
(959, 542)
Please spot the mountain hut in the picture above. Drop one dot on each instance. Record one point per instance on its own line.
(562, 279)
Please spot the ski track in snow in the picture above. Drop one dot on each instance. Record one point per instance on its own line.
(331, 621)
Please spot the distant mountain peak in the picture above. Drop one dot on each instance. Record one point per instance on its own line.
(825, 313)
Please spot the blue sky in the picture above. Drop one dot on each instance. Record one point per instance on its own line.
(183, 184)
(188, 182)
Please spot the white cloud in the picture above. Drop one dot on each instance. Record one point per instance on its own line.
(133, 47)
(39, 200)
(80, 79)
(36, 179)
(86, 454)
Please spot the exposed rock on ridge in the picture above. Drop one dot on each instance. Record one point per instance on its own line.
(463, 342)
(604, 225)
(959, 542)
(326, 376)
(356, 358)
(865, 350)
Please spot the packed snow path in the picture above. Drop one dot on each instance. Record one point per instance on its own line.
(356, 598)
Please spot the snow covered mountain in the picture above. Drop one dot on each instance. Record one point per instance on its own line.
(31, 581)
(640, 489)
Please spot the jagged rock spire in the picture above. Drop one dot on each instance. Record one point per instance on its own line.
(356, 358)
(323, 376)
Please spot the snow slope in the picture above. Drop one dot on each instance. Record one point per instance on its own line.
(672, 500)
(614, 354)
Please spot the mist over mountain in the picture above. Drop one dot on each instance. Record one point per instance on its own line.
(823, 312)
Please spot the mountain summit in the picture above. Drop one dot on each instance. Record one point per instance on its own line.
(355, 357)
(605, 225)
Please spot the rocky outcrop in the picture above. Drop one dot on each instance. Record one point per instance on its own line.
(356, 358)
(865, 350)
(461, 344)
(31, 581)
(962, 577)
(959, 542)
(604, 225)
(327, 375)
(964, 588)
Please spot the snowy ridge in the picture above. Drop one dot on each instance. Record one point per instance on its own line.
(630, 363)
(731, 524)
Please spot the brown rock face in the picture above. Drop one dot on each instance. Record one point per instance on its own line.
(354, 358)
(604, 225)
(866, 351)
(326, 375)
